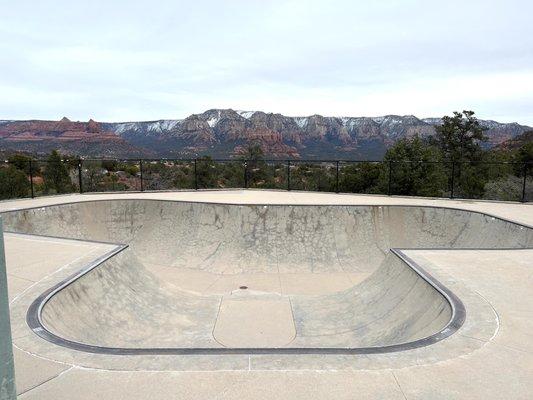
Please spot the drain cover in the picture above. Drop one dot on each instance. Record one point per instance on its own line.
(243, 287)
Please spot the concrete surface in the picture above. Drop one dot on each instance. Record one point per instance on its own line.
(253, 321)
(494, 285)
(122, 304)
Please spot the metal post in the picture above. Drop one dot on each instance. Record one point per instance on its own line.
(524, 184)
(288, 174)
(141, 168)
(80, 178)
(31, 180)
(453, 180)
(337, 178)
(390, 178)
(245, 174)
(7, 368)
(195, 176)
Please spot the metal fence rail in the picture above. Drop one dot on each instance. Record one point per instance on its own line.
(471, 180)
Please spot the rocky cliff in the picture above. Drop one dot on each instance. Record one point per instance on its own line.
(223, 133)
(89, 139)
(227, 133)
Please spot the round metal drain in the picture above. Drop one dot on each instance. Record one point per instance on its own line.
(243, 287)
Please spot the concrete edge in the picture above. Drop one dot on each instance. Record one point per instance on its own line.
(275, 190)
(442, 207)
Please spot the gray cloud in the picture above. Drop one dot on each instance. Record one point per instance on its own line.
(133, 60)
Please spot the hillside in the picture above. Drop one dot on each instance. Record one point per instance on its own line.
(517, 141)
(227, 133)
(80, 138)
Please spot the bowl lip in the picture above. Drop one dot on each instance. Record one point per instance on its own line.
(457, 318)
(455, 207)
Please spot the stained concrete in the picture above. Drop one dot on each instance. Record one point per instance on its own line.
(259, 321)
(495, 286)
(123, 304)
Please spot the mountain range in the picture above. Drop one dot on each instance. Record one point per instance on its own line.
(225, 133)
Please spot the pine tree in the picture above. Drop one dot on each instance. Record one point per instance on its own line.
(56, 177)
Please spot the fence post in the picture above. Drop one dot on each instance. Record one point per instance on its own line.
(141, 168)
(453, 180)
(31, 180)
(195, 176)
(337, 178)
(524, 184)
(80, 178)
(390, 178)
(288, 174)
(245, 174)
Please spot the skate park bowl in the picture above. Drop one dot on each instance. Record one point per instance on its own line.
(206, 278)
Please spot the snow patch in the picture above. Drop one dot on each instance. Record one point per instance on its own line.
(388, 119)
(213, 121)
(152, 126)
(349, 122)
(246, 114)
(301, 121)
(163, 125)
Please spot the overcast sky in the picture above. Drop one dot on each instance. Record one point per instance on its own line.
(142, 60)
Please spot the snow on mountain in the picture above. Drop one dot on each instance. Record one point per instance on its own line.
(301, 121)
(246, 114)
(163, 125)
(213, 120)
(432, 121)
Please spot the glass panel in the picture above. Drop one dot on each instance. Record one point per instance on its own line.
(501, 181)
(14, 179)
(168, 175)
(479, 180)
(419, 178)
(315, 176)
(269, 174)
(219, 174)
(55, 177)
(110, 175)
(363, 177)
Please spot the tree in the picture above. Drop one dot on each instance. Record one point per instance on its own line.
(313, 176)
(459, 137)
(22, 163)
(524, 155)
(13, 183)
(256, 168)
(56, 177)
(361, 178)
(93, 177)
(416, 169)
(205, 172)
(110, 165)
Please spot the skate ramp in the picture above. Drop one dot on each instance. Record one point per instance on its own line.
(125, 303)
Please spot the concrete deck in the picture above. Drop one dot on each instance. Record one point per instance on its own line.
(494, 285)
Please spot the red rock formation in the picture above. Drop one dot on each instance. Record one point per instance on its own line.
(68, 136)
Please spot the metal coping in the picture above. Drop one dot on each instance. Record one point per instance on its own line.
(458, 316)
